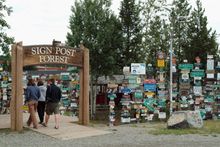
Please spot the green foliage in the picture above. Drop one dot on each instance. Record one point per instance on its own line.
(179, 22)
(155, 29)
(156, 41)
(132, 50)
(93, 24)
(187, 27)
(5, 41)
(202, 40)
(144, 29)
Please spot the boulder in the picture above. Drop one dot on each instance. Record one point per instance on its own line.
(185, 119)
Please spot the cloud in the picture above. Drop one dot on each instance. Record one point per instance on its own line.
(39, 21)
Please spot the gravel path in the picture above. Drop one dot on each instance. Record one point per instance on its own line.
(121, 136)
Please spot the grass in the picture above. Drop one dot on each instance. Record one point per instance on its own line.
(211, 127)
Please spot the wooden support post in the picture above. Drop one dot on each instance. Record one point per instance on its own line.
(17, 88)
(86, 87)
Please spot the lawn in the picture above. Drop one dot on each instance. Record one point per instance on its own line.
(211, 127)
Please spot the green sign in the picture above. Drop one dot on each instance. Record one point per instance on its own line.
(185, 66)
(197, 73)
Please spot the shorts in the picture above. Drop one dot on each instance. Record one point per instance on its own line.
(52, 108)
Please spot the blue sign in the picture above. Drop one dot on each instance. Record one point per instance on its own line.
(149, 87)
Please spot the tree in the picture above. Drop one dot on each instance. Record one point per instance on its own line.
(98, 28)
(132, 50)
(155, 29)
(93, 24)
(5, 41)
(156, 39)
(179, 16)
(202, 39)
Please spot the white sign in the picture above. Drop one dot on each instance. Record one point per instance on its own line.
(218, 76)
(138, 68)
(210, 76)
(162, 115)
(210, 64)
(126, 70)
(197, 90)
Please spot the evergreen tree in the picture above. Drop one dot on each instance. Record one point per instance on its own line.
(156, 39)
(132, 50)
(98, 28)
(202, 39)
(155, 29)
(93, 24)
(179, 24)
(5, 41)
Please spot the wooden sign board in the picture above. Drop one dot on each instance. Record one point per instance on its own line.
(48, 54)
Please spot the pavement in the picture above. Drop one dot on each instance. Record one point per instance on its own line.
(69, 129)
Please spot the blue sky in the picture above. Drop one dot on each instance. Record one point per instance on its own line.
(41, 21)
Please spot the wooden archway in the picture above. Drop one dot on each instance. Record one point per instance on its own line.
(47, 54)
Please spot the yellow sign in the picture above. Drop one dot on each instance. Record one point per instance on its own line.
(149, 94)
(160, 63)
(25, 108)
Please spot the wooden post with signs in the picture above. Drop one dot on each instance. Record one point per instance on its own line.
(17, 88)
(41, 55)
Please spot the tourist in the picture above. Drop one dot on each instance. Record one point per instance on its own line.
(41, 101)
(53, 96)
(32, 95)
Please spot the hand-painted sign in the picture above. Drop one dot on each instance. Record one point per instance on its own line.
(48, 54)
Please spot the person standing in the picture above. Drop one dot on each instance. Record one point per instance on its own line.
(53, 96)
(31, 98)
(41, 101)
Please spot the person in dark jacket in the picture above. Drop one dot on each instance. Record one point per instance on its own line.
(41, 101)
(53, 96)
(31, 98)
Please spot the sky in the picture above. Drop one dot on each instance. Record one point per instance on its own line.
(40, 21)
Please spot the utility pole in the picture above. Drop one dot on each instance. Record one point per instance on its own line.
(171, 71)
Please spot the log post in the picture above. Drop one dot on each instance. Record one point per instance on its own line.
(17, 88)
(86, 87)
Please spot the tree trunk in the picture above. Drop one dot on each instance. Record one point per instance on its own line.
(93, 96)
(91, 99)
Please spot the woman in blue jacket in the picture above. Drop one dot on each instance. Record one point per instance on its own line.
(31, 98)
